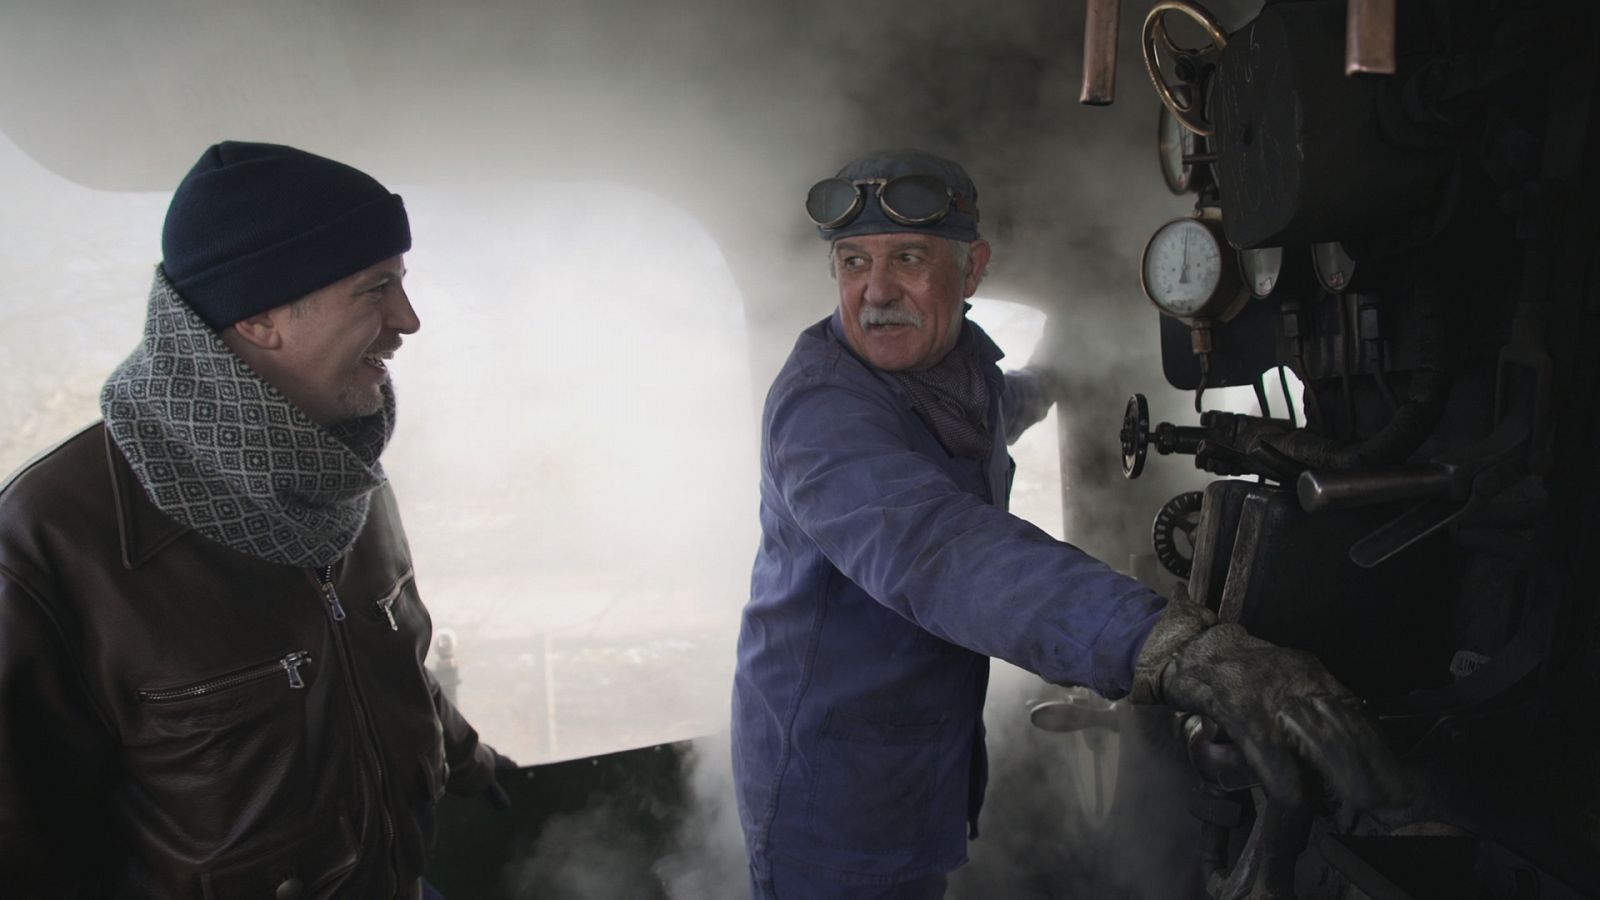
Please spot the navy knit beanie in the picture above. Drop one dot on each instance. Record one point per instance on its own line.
(255, 226)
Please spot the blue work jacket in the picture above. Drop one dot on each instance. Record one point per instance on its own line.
(888, 573)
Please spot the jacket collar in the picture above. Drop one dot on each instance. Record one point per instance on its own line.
(144, 529)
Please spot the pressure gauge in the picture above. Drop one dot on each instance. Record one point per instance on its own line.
(1185, 273)
(1335, 268)
(1174, 142)
(1263, 269)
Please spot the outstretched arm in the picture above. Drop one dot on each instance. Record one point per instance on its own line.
(472, 762)
(894, 523)
(1027, 400)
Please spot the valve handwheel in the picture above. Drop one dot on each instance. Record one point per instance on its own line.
(1173, 532)
(1135, 435)
(1155, 29)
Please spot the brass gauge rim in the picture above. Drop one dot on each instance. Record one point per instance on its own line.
(1226, 300)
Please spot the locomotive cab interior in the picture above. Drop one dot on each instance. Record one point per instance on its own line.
(1318, 275)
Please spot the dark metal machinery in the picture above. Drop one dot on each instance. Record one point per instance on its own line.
(1403, 211)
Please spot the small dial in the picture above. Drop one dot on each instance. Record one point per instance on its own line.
(1174, 142)
(1184, 271)
(1335, 268)
(1173, 533)
(1263, 267)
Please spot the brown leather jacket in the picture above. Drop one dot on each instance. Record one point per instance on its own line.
(179, 720)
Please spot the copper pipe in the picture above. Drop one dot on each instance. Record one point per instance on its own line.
(1100, 52)
(1369, 37)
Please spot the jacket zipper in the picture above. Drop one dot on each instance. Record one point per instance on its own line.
(387, 603)
(370, 732)
(290, 664)
(325, 579)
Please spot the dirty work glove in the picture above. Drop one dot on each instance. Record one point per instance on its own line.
(504, 770)
(1281, 706)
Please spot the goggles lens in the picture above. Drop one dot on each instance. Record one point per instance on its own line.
(915, 199)
(833, 202)
(908, 200)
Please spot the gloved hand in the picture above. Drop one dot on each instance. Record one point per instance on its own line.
(504, 768)
(1281, 706)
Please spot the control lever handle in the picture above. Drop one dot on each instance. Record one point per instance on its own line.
(1322, 489)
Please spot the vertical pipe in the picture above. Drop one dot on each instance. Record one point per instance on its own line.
(1369, 37)
(549, 698)
(1100, 52)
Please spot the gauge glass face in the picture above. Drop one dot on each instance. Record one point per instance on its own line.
(1182, 267)
(1334, 266)
(1262, 267)
(1174, 143)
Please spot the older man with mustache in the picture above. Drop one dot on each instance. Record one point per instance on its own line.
(211, 641)
(890, 572)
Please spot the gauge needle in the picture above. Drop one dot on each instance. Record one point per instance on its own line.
(1183, 267)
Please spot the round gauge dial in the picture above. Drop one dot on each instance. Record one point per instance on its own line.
(1262, 267)
(1174, 142)
(1335, 268)
(1184, 272)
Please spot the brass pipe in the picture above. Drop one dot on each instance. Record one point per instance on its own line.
(1100, 52)
(1369, 37)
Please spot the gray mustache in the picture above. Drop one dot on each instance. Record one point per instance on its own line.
(889, 316)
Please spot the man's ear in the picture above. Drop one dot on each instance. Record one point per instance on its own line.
(259, 330)
(977, 263)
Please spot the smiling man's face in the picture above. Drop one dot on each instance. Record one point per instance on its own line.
(326, 351)
(901, 296)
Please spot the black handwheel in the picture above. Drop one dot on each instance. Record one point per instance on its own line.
(1135, 435)
(1173, 532)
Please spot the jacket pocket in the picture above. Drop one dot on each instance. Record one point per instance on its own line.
(289, 667)
(389, 603)
(312, 865)
(872, 782)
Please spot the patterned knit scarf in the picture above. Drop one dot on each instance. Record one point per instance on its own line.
(952, 399)
(220, 450)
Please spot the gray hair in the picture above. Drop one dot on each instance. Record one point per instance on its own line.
(961, 251)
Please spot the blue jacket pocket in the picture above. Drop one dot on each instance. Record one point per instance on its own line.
(872, 782)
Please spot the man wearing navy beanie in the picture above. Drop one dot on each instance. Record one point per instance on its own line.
(211, 640)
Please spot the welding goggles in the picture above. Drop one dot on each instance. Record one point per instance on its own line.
(918, 200)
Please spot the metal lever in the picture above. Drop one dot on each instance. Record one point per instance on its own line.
(1075, 713)
(1319, 490)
